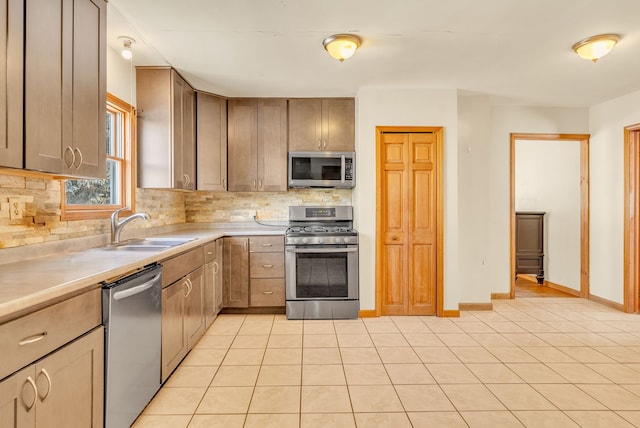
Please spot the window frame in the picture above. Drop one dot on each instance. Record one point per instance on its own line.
(128, 178)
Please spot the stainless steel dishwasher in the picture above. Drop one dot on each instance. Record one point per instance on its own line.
(132, 315)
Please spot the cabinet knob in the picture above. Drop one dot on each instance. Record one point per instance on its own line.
(394, 237)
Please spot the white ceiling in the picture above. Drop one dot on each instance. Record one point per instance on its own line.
(516, 49)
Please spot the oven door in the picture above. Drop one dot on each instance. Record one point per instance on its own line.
(321, 272)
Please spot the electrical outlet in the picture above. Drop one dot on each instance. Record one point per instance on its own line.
(16, 208)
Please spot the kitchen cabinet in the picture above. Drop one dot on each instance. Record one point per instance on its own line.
(212, 281)
(53, 366)
(322, 124)
(266, 271)
(236, 272)
(182, 307)
(11, 98)
(257, 151)
(530, 244)
(211, 142)
(65, 87)
(166, 129)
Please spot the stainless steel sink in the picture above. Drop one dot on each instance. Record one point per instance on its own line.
(147, 244)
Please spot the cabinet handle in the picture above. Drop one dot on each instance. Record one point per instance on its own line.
(267, 245)
(216, 267)
(35, 394)
(73, 157)
(324, 144)
(188, 290)
(79, 157)
(32, 339)
(244, 245)
(260, 183)
(267, 266)
(224, 183)
(209, 253)
(46, 375)
(267, 292)
(185, 180)
(319, 143)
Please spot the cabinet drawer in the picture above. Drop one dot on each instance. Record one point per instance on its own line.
(266, 244)
(181, 265)
(267, 265)
(33, 336)
(210, 251)
(267, 292)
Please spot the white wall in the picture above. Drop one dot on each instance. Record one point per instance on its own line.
(548, 179)
(484, 192)
(607, 122)
(121, 76)
(404, 107)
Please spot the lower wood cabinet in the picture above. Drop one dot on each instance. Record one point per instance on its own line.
(182, 319)
(236, 272)
(63, 389)
(212, 281)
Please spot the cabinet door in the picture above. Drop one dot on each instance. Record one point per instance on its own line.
(189, 137)
(70, 384)
(194, 310)
(219, 302)
(48, 79)
(272, 145)
(11, 82)
(179, 88)
(211, 141)
(174, 338)
(236, 272)
(18, 399)
(89, 87)
(209, 294)
(305, 124)
(243, 145)
(338, 124)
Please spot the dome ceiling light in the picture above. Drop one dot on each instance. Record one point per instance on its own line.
(595, 47)
(342, 46)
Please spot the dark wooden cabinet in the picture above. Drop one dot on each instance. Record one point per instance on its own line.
(530, 244)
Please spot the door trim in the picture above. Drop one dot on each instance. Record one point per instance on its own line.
(584, 204)
(438, 131)
(631, 218)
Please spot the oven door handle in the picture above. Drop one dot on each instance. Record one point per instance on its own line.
(322, 250)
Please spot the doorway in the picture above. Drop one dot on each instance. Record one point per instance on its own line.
(409, 229)
(632, 218)
(583, 140)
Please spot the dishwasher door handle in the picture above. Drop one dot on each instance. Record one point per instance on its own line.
(119, 295)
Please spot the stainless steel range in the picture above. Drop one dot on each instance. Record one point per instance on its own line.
(321, 263)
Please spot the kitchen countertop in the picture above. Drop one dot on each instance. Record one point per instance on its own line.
(32, 284)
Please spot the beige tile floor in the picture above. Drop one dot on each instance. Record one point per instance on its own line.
(533, 362)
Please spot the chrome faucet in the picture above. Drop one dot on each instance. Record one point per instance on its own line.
(116, 225)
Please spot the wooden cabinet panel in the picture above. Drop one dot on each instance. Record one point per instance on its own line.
(267, 292)
(70, 384)
(194, 310)
(211, 139)
(322, 124)
(32, 336)
(219, 300)
(178, 266)
(65, 87)
(236, 272)
(18, 398)
(174, 338)
(266, 244)
(530, 244)
(11, 83)
(212, 281)
(257, 145)
(166, 129)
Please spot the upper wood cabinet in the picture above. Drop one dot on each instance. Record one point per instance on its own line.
(11, 82)
(322, 124)
(257, 145)
(211, 131)
(166, 129)
(64, 86)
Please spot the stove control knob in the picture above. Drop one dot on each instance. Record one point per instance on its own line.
(305, 240)
(337, 238)
(347, 240)
(320, 241)
(294, 240)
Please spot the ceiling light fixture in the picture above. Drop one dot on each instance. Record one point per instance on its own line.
(342, 46)
(595, 47)
(126, 46)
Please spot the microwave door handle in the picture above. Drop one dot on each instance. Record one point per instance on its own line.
(322, 250)
(342, 169)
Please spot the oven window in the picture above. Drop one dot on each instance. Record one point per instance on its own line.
(321, 275)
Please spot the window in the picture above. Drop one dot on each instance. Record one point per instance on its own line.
(89, 199)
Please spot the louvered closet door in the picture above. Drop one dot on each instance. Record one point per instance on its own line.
(408, 214)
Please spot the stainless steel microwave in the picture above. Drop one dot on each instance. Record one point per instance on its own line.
(322, 169)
